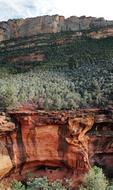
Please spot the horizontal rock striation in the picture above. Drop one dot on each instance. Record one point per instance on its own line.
(49, 24)
(27, 41)
(56, 144)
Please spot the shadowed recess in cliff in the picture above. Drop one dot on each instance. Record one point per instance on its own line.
(104, 160)
(22, 153)
(63, 145)
(9, 146)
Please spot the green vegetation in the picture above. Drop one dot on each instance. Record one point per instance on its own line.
(17, 185)
(76, 74)
(42, 183)
(94, 180)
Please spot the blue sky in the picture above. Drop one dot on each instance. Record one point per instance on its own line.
(10, 9)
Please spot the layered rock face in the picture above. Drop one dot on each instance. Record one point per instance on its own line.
(49, 24)
(30, 26)
(55, 144)
(27, 41)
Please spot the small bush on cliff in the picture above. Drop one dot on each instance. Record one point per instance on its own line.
(94, 180)
(17, 185)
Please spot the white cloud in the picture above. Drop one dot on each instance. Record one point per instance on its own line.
(24, 8)
(10, 9)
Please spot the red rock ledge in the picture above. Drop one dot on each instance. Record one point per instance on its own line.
(55, 144)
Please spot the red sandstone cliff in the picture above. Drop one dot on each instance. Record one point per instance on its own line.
(56, 144)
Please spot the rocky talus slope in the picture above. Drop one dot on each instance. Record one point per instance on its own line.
(55, 144)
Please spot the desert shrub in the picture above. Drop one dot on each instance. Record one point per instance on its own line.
(57, 89)
(17, 185)
(42, 183)
(94, 180)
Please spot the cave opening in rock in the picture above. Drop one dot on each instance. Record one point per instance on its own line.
(45, 168)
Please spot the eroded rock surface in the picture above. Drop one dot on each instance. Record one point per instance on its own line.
(55, 144)
(49, 24)
(6, 127)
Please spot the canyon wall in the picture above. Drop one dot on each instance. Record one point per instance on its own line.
(55, 144)
(28, 41)
(50, 24)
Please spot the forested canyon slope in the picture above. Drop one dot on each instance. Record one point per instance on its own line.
(56, 63)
